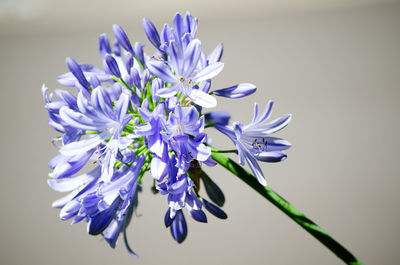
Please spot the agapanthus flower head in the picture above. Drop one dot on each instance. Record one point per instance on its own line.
(142, 114)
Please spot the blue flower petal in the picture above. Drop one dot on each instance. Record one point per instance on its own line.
(122, 38)
(112, 232)
(191, 57)
(151, 32)
(208, 72)
(104, 45)
(112, 65)
(275, 156)
(198, 215)
(179, 227)
(216, 54)
(167, 218)
(237, 91)
(202, 99)
(76, 70)
(213, 191)
(214, 210)
(99, 223)
(161, 70)
(214, 117)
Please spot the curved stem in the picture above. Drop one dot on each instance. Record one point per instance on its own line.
(287, 208)
(224, 151)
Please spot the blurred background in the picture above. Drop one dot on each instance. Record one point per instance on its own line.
(335, 65)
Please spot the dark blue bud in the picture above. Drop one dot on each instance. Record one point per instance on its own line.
(179, 227)
(213, 191)
(214, 117)
(76, 70)
(167, 219)
(151, 33)
(237, 91)
(98, 223)
(112, 65)
(214, 210)
(122, 38)
(198, 215)
(104, 45)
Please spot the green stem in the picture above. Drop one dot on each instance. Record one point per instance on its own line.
(138, 61)
(287, 208)
(224, 151)
(121, 81)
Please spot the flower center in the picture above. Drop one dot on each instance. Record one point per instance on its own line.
(259, 144)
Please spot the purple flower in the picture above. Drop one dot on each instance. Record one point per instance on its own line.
(183, 76)
(97, 114)
(103, 204)
(80, 74)
(70, 134)
(184, 120)
(188, 149)
(180, 194)
(183, 31)
(152, 128)
(253, 141)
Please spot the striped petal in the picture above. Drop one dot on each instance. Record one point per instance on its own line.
(216, 54)
(191, 57)
(275, 156)
(208, 72)
(161, 70)
(237, 91)
(202, 99)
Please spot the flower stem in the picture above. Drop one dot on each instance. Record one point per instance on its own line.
(224, 151)
(287, 208)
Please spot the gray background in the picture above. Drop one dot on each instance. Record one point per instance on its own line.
(335, 65)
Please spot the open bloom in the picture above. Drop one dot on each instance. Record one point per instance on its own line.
(253, 141)
(96, 114)
(181, 73)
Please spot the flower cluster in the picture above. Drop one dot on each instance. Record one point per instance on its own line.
(141, 114)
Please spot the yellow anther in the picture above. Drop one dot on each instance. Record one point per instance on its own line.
(181, 79)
